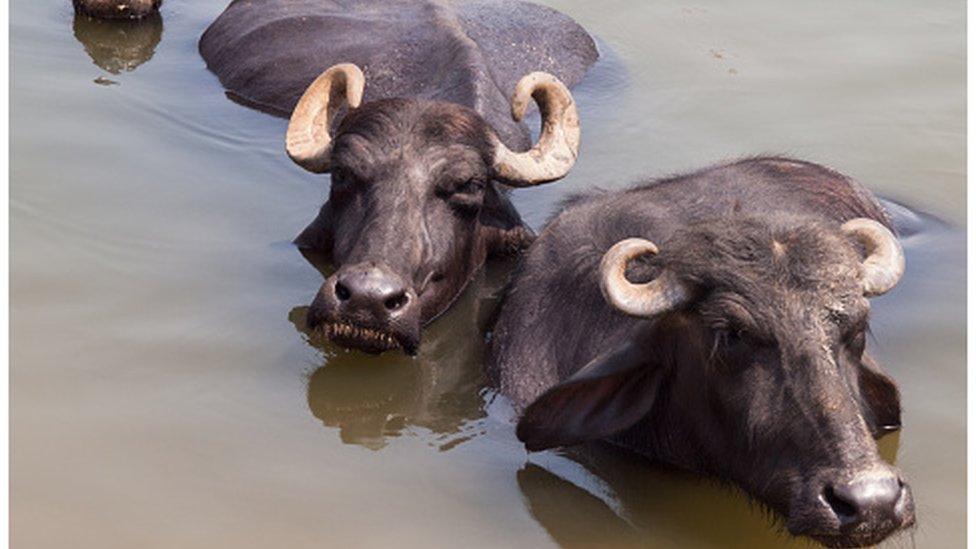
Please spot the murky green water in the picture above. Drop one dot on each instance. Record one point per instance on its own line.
(163, 395)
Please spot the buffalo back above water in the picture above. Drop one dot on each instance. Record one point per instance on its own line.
(267, 52)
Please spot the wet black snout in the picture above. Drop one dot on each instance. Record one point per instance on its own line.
(878, 499)
(367, 306)
(370, 294)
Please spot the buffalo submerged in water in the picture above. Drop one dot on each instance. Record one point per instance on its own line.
(117, 9)
(717, 322)
(415, 108)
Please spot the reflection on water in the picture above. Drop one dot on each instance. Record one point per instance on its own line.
(608, 497)
(178, 406)
(572, 516)
(371, 399)
(119, 45)
(598, 494)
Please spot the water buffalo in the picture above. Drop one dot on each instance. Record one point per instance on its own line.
(117, 9)
(429, 142)
(717, 322)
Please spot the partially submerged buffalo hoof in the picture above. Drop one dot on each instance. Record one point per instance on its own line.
(117, 9)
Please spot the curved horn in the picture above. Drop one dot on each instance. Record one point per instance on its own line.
(885, 261)
(308, 142)
(641, 300)
(555, 153)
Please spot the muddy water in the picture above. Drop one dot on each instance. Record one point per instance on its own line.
(164, 394)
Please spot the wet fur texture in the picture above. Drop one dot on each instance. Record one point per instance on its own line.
(412, 189)
(412, 194)
(466, 52)
(761, 380)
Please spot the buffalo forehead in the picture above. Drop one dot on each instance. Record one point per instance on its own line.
(800, 248)
(770, 267)
(467, 52)
(457, 161)
(430, 149)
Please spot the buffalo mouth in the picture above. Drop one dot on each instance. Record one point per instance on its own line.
(367, 339)
(865, 539)
(864, 535)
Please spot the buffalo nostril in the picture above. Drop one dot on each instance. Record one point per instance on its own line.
(342, 292)
(869, 500)
(396, 302)
(845, 510)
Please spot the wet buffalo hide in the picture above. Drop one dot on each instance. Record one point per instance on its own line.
(266, 52)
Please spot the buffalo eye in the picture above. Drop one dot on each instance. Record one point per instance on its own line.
(728, 350)
(727, 339)
(465, 195)
(468, 186)
(731, 337)
(471, 186)
(343, 181)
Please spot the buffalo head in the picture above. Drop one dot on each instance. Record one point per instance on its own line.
(414, 208)
(751, 367)
(117, 9)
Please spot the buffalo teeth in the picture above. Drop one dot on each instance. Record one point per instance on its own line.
(368, 335)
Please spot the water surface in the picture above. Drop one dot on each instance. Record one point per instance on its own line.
(163, 393)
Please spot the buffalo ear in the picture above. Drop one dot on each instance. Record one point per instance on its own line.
(607, 396)
(503, 228)
(880, 398)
